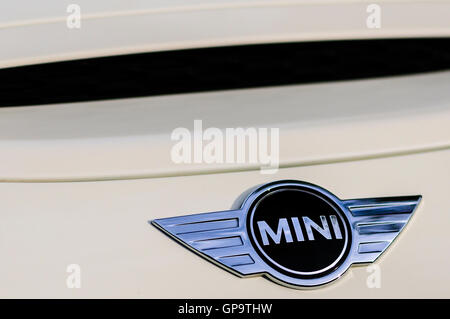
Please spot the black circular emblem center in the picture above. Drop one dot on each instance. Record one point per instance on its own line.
(299, 231)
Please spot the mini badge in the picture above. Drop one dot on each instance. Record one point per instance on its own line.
(295, 233)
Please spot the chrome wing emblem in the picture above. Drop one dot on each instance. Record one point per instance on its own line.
(231, 240)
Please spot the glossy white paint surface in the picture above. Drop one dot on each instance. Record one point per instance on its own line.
(36, 31)
(103, 227)
(318, 123)
(79, 182)
(385, 137)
